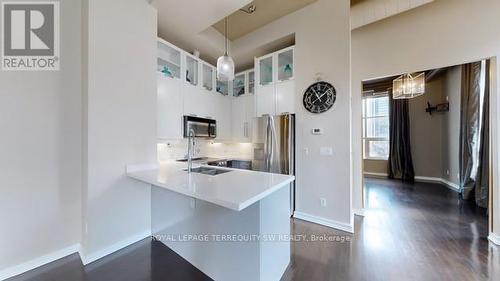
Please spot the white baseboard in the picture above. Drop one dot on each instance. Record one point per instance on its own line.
(449, 184)
(494, 238)
(322, 221)
(359, 212)
(86, 259)
(34, 263)
(375, 175)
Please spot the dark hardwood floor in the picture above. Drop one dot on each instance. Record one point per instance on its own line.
(144, 261)
(418, 231)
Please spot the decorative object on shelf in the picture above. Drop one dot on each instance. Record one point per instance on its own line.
(319, 97)
(166, 71)
(408, 86)
(225, 64)
(440, 107)
(287, 69)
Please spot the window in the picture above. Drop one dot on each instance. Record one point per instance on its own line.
(376, 127)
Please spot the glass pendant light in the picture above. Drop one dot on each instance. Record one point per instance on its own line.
(225, 64)
(408, 86)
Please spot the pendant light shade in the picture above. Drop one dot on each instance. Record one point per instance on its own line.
(225, 64)
(225, 68)
(408, 86)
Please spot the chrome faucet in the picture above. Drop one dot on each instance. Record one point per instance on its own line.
(191, 144)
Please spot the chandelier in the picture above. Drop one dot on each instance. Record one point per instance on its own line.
(408, 86)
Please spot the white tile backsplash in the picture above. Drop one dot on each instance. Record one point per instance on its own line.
(173, 150)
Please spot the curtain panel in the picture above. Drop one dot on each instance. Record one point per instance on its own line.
(400, 160)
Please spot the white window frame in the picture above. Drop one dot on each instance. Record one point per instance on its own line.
(366, 140)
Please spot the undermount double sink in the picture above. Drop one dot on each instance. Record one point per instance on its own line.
(208, 171)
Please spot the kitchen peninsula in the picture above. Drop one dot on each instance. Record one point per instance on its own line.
(231, 224)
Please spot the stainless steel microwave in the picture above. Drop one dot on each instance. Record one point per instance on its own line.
(202, 127)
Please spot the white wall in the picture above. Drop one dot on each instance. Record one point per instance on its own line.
(441, 33)
(322, 37)
(40, 153)
(120, 109)
(451, 125)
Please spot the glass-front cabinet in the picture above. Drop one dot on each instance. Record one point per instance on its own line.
(169, 60)
(285, 65)
(208, 77)
(223, 87)
(266, 70)
(239, 85)
(191, 70)
(244, 83)
(275, 85)
(251, 82)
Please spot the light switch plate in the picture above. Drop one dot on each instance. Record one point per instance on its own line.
(326, 151)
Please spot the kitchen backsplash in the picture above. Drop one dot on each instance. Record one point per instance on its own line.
(173, 150)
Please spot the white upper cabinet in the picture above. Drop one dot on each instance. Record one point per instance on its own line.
(169, 108)
(239, 84)
(208, 77)
(265, 66)
(242, 117)
(275, 85)
(251, 81)
(169, 87)
(192, 69)
(223, 87)
(169, 59)
(244, 83)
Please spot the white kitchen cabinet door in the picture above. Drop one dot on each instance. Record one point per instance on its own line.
(192, 102)
(223, 117)
(242, 116)
(249, 101)
(285, 97)
(265, 100)
(169, 107)
(238, 119)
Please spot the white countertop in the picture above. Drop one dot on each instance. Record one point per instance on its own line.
(235, 190)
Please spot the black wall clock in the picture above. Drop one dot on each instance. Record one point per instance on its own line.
(319, 97)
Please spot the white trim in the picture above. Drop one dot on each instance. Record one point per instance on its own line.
(87, 259)
(37, 262)
(494, 238)
(326, 222)
(449, 184)
(377, 175)
(359, 212)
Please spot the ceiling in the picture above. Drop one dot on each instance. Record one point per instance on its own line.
(187, 24)
(241, 23)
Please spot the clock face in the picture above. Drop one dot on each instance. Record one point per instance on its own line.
(319, 97)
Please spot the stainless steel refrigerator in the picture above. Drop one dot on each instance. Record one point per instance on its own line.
(274, 147)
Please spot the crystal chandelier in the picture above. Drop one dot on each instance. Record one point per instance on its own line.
(408, 86)
(225, 64)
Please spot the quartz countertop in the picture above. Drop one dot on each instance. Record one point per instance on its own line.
(235, 190)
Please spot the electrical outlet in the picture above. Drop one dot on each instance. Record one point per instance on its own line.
(323, 202)
(447, 172)
(192, 203)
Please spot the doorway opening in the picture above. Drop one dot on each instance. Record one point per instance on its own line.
(430, 154)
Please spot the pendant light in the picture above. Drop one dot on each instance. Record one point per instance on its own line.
(225, 64)
(408, 86)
